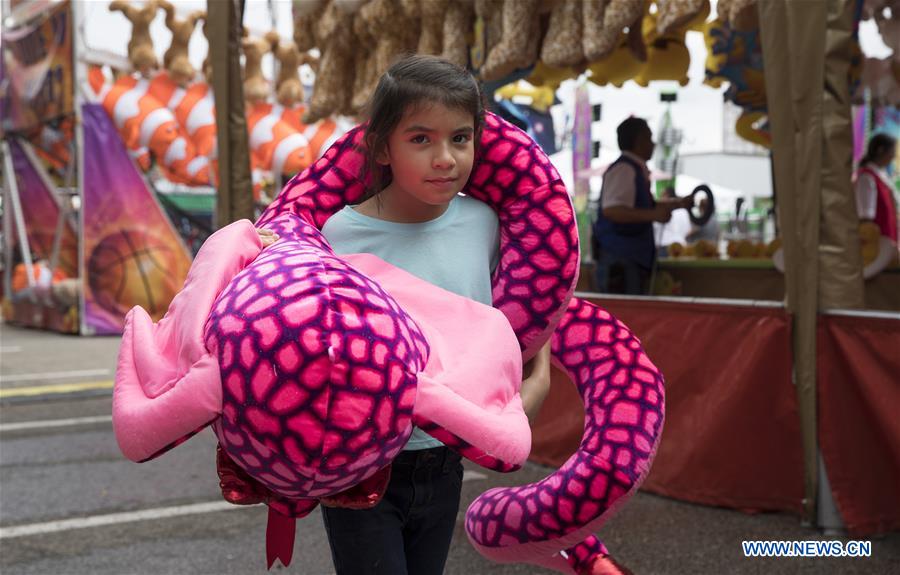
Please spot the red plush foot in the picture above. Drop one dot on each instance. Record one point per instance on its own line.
(606, 565)
(365, 495)
(236, 485)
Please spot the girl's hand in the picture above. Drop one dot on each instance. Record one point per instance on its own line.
(268, 237)
(536, 383)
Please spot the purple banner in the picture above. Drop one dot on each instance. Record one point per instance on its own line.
(41, 215)
(132, 254)
(581, 147)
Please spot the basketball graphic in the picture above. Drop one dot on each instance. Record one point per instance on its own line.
(129, 268)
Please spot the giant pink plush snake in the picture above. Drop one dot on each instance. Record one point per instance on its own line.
(318, 372)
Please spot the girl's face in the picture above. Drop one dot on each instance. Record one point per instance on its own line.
(430, 152)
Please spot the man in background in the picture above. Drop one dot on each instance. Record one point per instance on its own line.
(624, 248)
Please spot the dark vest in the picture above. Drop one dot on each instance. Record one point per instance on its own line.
(633, 242)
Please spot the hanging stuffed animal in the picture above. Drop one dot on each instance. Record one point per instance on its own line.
(890, 34)
(617, 16)
(431, 13)
(743, 15)
(544, 75)
(274, 144)
(332, 91)
(518, 45)
(394, 32)
(680, 14)
(618, 67)
(194, 108)
(459, 20)
(176, 60)
(366, 73)
(735, 57)
(562, 44)
(596, 41)
(306, 17)
(150, 130)
(288, 87)
(667, 54)
(256, 87)
(140, 47)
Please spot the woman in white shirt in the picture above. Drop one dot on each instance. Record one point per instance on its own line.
(874, 189)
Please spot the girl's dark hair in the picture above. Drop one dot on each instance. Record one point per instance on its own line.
(413, 81)
(877, 146)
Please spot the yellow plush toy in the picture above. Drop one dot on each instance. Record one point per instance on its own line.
(140, 46)
(176, 60)
(544, 75)
(618, 67)
(667, 55)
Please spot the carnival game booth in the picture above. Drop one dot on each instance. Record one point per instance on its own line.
(751, 408)
(754, 421)
(84, 237)
(776, 400)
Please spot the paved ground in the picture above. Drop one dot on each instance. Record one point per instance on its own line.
(60, 480)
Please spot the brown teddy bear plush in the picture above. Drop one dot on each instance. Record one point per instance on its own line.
(175, 60)
(366, 75)
(140, 46)
(488, 29)
(601, 40)
(674, 14)
(518, 45)
(394, 31)
(563, 42)
(306, 16)
(458, 21)
(335, 39)
(206, 67)
(256, 87)
(430, 14)
(288, 87)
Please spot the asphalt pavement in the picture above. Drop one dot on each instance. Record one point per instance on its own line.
(71, 504)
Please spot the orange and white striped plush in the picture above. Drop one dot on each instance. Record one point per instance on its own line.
(148, 127)
(274, 144)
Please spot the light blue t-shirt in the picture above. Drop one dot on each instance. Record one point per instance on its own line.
(456, 251)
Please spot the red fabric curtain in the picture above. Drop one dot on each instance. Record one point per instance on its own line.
(732, 435)
(859, 427)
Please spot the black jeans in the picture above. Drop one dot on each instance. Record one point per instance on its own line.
(409, 531)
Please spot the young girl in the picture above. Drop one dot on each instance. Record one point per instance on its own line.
(425, 119)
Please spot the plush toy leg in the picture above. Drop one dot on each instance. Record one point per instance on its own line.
(591, 557)
(236, 485)
(280, 532)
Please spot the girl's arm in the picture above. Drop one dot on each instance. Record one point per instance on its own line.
(536, 382)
